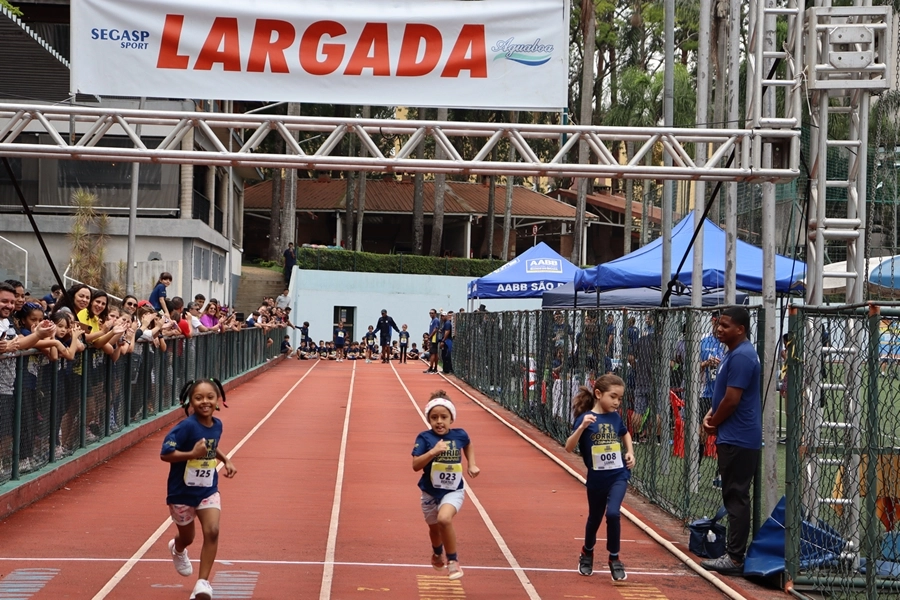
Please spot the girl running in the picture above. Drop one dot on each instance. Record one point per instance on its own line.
(192, 451)
(598, 429)
(438, 454)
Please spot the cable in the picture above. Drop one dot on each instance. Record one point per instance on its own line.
(37, 232)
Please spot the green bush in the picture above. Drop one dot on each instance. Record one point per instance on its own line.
(365, 262)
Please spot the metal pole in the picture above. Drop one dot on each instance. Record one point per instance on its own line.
(730, 200)
(229, 198)
(770, 398)
(132, 217)
(693, 337)
(669, 118)
(589, 24)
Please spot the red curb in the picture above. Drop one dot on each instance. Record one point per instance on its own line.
(30, 491)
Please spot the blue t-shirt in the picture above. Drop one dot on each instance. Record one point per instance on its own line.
(451, 474)
(184, 437)
(304, 334)
(611, 333)
(710, 347)
(605, 434)
(434, 328)
(404, 338)
(740, 369)
(369, 337)
(285, 346)
(158, 292)
(339, 336)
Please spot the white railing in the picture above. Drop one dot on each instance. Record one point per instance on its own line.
(26, 257)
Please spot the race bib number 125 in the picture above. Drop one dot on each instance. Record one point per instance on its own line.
(199, 472)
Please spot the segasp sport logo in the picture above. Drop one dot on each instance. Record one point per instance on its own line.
(532, 54)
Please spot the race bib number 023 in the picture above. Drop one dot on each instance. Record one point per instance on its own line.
(446, 476)
(200, 472)
(607, 457)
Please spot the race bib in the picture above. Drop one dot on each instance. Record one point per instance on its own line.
(199, 472)
(341, 334)
(446, 476)
(607, 457)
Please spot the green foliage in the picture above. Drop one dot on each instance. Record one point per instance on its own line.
(14, 10)
(89, 236)
(267, 264)
(365, 262)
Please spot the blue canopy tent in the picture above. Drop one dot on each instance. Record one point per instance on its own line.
(528, 275)
(887, 273)
(565, 296)
(641, 268)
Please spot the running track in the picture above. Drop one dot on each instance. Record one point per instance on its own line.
(325, 506)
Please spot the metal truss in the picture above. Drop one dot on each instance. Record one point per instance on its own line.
(849, 57)
(42, 131)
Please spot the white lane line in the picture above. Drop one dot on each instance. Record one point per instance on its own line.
(328, 571)
(501, 543)
(131, 562)
(669, 545)
(314, 563)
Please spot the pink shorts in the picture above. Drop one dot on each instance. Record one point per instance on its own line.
(183, 514)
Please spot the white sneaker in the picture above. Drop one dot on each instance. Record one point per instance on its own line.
(202, 591)
(181, 561)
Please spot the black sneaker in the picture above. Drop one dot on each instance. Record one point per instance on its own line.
(427, 371)
(617, 569)
(586, 563)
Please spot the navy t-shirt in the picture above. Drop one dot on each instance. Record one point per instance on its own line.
(740, 369)
(404, 338)
(602, 449)
(444, 473)
(611, 333)
(158, 292)
(184, 437)
(304, 334)
(339, 336)
(434, 328)
(369, 337)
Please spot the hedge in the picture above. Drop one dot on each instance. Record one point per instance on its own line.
(365, 262)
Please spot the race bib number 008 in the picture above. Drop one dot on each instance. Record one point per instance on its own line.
(446, 476)
(200, 472)
(607, 457)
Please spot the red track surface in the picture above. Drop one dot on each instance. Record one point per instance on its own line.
(278, 510)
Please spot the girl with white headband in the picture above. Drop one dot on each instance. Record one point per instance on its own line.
(438, 454)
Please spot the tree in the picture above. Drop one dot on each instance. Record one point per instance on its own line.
(419, 199)
(437, 219)
(89, 235)
(13, 10)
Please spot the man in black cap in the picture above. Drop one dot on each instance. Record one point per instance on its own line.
(383, 326)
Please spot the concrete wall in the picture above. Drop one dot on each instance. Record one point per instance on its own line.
(407, 298)
(170, 239)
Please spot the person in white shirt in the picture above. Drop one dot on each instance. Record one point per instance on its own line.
(284, 300)
(193, 317)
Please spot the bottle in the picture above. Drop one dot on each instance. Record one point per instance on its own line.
(711, 536)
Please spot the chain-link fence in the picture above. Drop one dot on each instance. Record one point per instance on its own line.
(843, 462)
(50, 409)
(534, 362)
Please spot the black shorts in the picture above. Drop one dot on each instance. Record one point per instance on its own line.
(385, 340)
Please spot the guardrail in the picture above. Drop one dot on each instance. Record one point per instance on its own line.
(49, 409)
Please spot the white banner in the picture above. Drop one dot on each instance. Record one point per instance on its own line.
(454, 53)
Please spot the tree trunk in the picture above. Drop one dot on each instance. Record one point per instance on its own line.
(289, 210)
(510, 183)
(419, 198)
(361, 206)
(629, 198)
(350, 212)
(276, 247)
(491, 208)
(437, 220)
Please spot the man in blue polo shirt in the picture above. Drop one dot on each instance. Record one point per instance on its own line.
(736, 418)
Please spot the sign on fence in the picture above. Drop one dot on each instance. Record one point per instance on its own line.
(492, 53)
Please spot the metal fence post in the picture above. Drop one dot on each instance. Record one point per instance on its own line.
(82, 411)
(54, 408)
(758, 478)
(126, 388)
(792, 481)
(17, 415)
(873, 450)
(108, 391)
